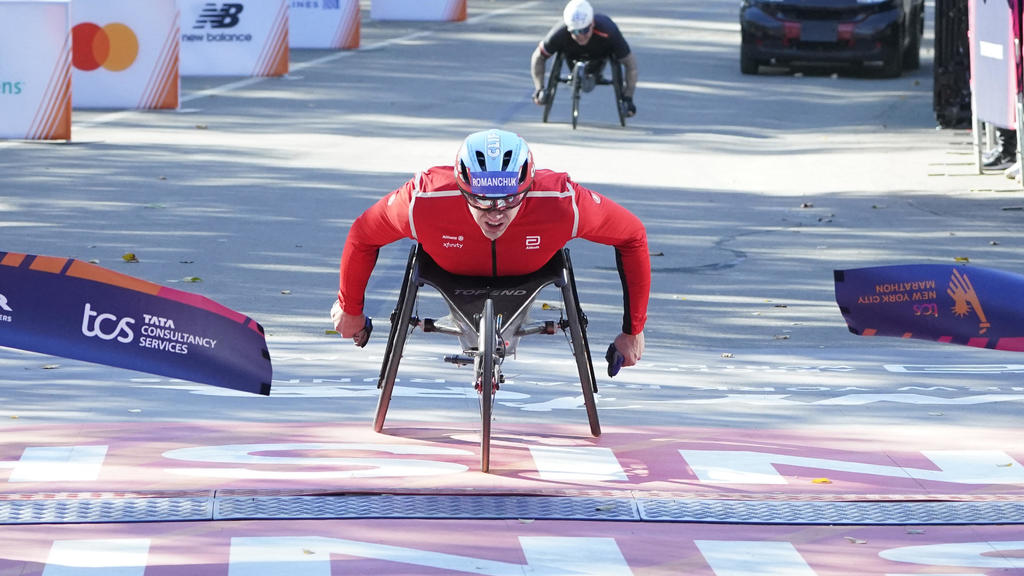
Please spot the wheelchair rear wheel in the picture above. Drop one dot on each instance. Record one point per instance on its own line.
(485, 379)
(401, 318)
(581, 348)
(617, 85)
(577, 87)
(554, 79)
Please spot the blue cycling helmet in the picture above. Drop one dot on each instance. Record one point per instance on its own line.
(494, 164)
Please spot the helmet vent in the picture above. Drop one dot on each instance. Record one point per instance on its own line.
(506, 160)
(481, 160)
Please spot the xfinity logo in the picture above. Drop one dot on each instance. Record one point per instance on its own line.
(106, 326)
(226, 16)
(450, 241)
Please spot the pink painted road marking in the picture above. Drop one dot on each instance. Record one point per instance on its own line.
(429, 547)
(818, 462)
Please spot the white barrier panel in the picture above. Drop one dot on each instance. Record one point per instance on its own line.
(241, 38)
(124, 57)
(35, 69)
(451, 10)
(324, 24)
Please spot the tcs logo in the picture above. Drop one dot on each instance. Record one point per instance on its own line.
(114, 46)
(106, 326)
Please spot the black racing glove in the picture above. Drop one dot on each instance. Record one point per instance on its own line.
(540, 97)
(630, 107)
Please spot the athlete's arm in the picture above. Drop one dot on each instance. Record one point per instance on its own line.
(606, 222)
(553, 42)
(537, 64)
(631, 75)
(381, 224)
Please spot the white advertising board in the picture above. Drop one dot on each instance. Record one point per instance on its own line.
(124, 56)
(324, 24)
(450, 10)
(239, 38)
(35, 69)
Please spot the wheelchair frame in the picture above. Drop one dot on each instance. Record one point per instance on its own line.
(489, 315)
(575, 80)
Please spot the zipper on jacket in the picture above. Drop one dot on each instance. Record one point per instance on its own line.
(494, 258)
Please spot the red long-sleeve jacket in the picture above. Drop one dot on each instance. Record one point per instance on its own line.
(431, 210)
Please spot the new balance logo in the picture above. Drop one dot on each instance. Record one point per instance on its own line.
(225, 16)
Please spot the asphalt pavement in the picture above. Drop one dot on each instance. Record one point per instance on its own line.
(757, 437)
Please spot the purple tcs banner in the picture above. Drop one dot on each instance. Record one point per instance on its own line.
(956, 304)
(69, 308)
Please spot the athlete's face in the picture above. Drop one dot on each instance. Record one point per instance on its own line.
(583, 35)
(493, 223)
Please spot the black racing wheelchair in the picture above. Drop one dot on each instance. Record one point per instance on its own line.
(489, 315)
(576, 71)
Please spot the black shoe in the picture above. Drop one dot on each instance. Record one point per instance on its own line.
(1000, 162)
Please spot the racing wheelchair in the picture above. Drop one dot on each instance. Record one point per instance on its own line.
(489, 315)
(575, 80)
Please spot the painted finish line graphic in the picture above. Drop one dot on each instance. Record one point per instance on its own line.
(813, 461)
(547, 548)
(613, 398)
(781, 385)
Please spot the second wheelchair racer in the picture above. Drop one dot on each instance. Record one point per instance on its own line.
(585, 36)
(494, 214)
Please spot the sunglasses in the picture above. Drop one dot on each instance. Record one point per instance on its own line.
(489, 203)
(581, 31)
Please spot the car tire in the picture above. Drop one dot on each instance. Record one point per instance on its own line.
(892, 64)
(748, 65)
(912, 57)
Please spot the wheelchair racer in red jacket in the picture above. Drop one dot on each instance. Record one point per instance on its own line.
(494, 214)
(584, 36)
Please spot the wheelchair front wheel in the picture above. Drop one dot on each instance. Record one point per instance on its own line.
(485, 379)
(400, 320)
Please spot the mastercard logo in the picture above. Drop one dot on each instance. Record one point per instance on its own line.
(114, 46)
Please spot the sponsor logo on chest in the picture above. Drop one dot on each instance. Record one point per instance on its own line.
(452, 240)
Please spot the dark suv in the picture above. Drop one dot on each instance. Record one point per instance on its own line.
(784, 32)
